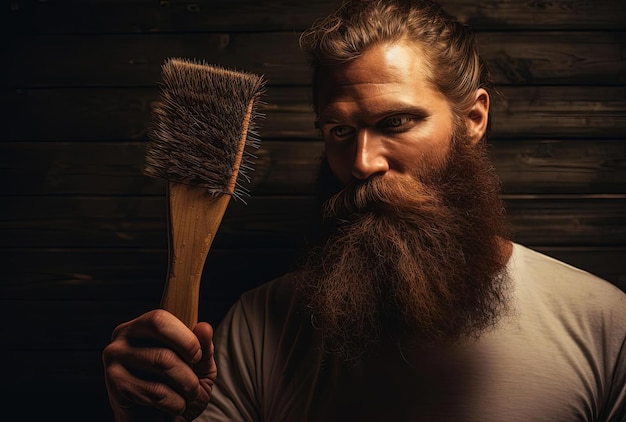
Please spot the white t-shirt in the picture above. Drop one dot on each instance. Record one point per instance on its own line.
(559, 356)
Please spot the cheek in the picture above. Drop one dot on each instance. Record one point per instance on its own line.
(422, 156)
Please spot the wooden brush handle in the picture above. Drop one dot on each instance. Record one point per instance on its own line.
(193, 220)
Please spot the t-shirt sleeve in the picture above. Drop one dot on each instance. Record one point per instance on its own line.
(235, 395)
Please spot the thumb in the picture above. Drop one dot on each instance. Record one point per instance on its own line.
(205, 368)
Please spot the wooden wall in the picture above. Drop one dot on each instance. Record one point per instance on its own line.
(82, 231)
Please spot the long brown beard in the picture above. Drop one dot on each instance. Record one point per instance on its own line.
(408, 260)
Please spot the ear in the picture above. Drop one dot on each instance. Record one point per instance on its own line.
(478, 116)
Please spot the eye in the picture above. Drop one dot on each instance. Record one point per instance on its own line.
(341, 132)
(399, 123)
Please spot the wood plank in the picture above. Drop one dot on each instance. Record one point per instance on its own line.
(559, 112)
(123, 16)
(567, 220)
(270, 15)
(67, 325)
(135, 59)
(552, 166)
(540, 14)
(280, 222)
(131, 274)
(290, 167)
(122, 114)
(554, 57)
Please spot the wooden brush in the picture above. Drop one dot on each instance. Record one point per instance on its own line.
(202, 125)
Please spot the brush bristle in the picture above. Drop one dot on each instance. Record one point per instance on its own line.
(198, 123)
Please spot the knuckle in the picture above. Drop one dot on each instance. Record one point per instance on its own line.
(117, 331)
(192, 346)
(157, 318)
(165, 359)
(111, 352)
(114, 373)
(157, 393)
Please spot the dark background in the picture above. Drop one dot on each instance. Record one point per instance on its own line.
(83, 233)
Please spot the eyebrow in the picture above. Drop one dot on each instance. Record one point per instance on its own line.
(330, 116)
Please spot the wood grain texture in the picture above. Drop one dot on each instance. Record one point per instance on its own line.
(83, 238)
(52, 17)
(593, 220)
(194, 218)
(517, 112)
(81, 274)
(289, 167)
(135, 59)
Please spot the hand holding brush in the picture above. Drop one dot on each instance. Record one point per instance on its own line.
(156, 366)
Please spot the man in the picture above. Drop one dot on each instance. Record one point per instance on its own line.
(414, 306)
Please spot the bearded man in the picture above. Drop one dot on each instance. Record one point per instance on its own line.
(414, 305)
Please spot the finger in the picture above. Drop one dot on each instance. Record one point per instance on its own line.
(160, 327)
(205, 368)
(158, 378)
(148, 376)
(130, 390)
(161, 365)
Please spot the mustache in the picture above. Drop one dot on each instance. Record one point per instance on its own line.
(382, 195)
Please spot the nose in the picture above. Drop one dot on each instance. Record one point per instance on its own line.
(369, 157)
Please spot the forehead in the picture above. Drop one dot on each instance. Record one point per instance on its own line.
(398, 73)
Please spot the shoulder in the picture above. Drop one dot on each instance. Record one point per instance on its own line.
(551, 290)
(547, 275)
(276, 297)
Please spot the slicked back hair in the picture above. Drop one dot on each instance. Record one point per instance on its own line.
(455, 66)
